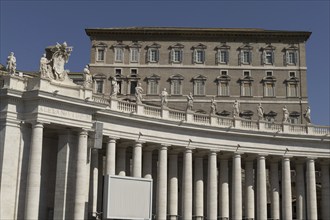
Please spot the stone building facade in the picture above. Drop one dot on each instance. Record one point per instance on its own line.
(54, 156)
(250, 65)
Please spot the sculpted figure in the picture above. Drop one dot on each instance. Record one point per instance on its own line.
(285, 114)
(260, 111)
(236, 109)
(61, 53)
(11, 63)
(114, 88)
(163, 98)
(213, 106)
(307, 114)
(138, 94)
(88, 82)
(45, 68)
(190, 102)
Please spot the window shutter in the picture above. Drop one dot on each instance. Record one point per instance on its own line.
(287, 61)
(250, 57)
(241, 57)
(296, 57)
(172, 56)
(194, 56)
(273, 57)
(203, 56)
(181, 55)
(227, 56)
(157, 55)
(264, 57)
(148, 55)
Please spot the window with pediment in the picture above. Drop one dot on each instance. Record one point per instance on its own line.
(294, 117)
(153, 84)
(245, 55)
(176, 84)
(246, 83)
(100, 52)
(267, 55)
(99, 80)
(269, 84)
(199, 54)
(290, 55)
(292, 85)
(153, 53)
(176, 53)
(134, 51)
(119, 52)
(222, 56)
(199, 85)
(223, 83)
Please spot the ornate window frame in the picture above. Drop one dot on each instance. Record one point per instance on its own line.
(269, 80)
(98, 48)
(199, 85)
(292, 84)
(153, 53)
(221, 80)
(99, 81)
(199, 54)
(176, 53)
(134, 48)
(153, 80)
(266, 52)
(119, 52)
(245, 55)
(176, 79)
(222, 54)
(291, 56)
(246, 80)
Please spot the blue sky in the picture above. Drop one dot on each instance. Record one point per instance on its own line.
(27, 27)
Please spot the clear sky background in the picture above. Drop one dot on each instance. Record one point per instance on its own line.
(28, 27)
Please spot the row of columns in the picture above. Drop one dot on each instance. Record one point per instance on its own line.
(170, 183)
(167, 183)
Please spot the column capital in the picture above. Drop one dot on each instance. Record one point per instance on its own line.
(112, 138)
(83, 131)
(37, 124)
(137, 142)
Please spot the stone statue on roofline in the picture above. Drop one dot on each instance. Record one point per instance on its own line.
(307, 115)
(190, 102)
(138, 94)
(213, 106)
(260, 112)
(163, 98)
(114, 88)
(286, 114)
(11, 63)
(236, 109)
(88, 82)
(45, 68)
(56, 56)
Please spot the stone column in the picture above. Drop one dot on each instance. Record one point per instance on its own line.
(199, 187)
(161, 205)
(110, 167)
(137, 159)
(187, 184)
(262, 188)
(311, 189)
(147, 163)
(121, 161)
(173, 186)
(300, 190)
(325, 199)
(223, 189)
(94, 173)
(62, 168)
(237, 187)
(212, 191)
(34, 173)
(275, 194)
(286, 189)
(81, 178)
(249, 189)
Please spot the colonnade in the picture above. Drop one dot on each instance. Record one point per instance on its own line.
(235, 185)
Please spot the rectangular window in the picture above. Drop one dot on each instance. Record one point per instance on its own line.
(223, 56)
(153, 55)
(269, 90)
(246, 89)
(199, 56)
(99, 86)
(134, 72)
(246, 73)
(292, 74)
(100, 55)
(291, 57)
(152, 87)
(176, 87)
(134, 55)
(223, 89)
(176, 56)
(118, 72)
(199, 88)
(224, 72)
(246, 57)
(269, 73)
(292, 90)
(119, 54)
(268, 57)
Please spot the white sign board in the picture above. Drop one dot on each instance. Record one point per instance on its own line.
(127, 198)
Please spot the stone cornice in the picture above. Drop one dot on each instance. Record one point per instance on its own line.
(250, 34)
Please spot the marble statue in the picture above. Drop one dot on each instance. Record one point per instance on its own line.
(45, 69)
(88, 82)
(236, 109)
(307, 114)
(114, 88)
(260, 112)
(190, 102)
(138, 94)
(11, 63)
(285, 114)
(163, 98)
(213, 106)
